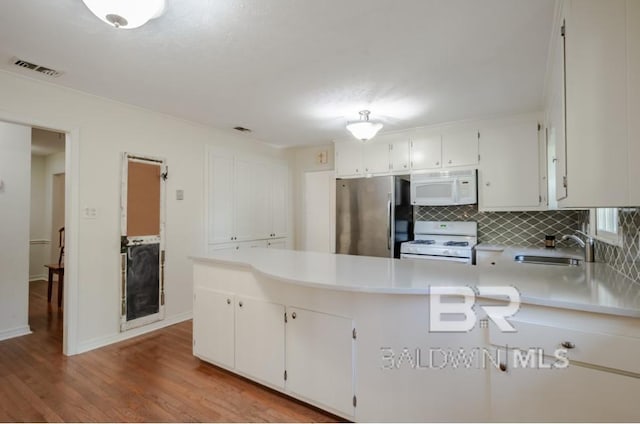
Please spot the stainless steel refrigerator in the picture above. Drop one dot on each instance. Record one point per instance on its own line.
(373, 215)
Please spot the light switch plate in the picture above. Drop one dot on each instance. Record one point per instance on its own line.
(89, 213)
(179, 194)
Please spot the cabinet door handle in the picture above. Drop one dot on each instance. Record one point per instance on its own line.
(293, 315)
(488, 183)
(450, 162)
(228, 301)
(568, 345)
(240, 304)
(437, 163)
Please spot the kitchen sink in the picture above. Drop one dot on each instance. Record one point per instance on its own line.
(547, 260)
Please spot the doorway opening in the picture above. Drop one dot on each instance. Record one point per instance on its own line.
(47, 235)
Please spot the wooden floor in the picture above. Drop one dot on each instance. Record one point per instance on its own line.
(149, 378)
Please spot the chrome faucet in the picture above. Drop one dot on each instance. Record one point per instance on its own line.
(587, 246)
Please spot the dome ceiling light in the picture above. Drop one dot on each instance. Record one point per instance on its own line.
(127, 14)
(364, 129)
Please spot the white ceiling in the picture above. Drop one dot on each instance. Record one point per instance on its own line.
(295, 71)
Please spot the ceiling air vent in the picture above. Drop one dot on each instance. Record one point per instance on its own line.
(242, 129)
(37, 68)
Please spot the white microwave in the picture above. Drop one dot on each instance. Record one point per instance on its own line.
(444, 188)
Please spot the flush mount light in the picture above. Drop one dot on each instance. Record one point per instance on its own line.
(126, 14)
(364, 129)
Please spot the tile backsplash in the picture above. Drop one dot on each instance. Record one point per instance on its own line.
(529, 229)
(508, 228)
(626, 258)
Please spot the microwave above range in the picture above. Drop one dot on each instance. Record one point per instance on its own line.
(445, 188)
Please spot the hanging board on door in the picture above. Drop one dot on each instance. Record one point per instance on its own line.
(142, 240)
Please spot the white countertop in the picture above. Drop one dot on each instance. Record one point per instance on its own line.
(593, 287)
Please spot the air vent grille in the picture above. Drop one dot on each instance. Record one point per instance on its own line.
(37, 68)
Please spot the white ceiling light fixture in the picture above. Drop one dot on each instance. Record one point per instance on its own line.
(126, 14)
(364, 129)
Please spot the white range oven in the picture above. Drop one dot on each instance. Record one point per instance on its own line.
(442, 241)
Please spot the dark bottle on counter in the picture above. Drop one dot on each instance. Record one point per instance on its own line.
(550, 242)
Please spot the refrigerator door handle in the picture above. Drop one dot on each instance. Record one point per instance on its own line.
(389, 223)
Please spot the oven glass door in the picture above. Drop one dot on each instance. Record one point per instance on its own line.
(435, 258)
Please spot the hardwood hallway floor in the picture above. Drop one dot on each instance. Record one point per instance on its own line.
(152, 378)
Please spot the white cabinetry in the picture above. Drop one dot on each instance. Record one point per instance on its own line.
(221, 198)
(426, 149)
(277, 244)
(259, 340)
(510, 171)
(320, 358)
(348, 158)
(375, 157)
(400, 155)
(213, 326)
(593, 388)
(460, 147)
(278, 205)
(247, 200)
(443, 148)
(600, 55)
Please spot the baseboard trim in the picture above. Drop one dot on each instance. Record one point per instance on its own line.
(99, 342)
(38, 277)
(15, 332)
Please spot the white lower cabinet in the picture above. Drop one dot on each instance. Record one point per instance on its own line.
(600, 382)
(277, 244)
(575, 393)
(213, 326)
(319, 352)
(259, 340)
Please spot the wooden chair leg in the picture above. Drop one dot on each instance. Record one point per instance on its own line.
(60, 287)
(50, 286)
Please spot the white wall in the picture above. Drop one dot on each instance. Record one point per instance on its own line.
(305, 159)
(106, 129)
(39, 238)
(15, 188)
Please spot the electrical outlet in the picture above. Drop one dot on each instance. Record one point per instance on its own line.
(179, 194)
(89, 213)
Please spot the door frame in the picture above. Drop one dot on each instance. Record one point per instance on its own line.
(72, 220)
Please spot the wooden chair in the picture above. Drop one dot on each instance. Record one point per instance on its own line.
(57, 269)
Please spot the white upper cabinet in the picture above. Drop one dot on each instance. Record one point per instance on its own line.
(348, 158)
(509, 173)
(460, 147)
(599, 58)
(246, 224)
(247, 199)
(375, 156)
(279, 206)
(221, 205)
(426, 149)
(385, 154)
(400, 156)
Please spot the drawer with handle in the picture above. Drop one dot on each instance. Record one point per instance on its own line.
(603, 350)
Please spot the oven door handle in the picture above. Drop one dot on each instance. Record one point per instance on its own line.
(435, 258)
